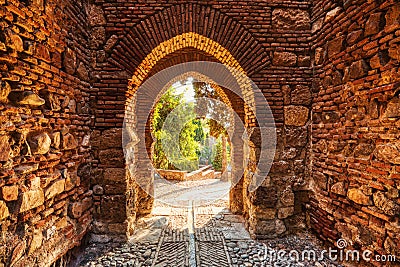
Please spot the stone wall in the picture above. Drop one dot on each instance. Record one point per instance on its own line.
(355, 133)
(45, 201)
(270, 41)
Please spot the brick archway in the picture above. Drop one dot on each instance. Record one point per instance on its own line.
(148, 48)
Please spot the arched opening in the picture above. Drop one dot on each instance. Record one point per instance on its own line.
(161, 58)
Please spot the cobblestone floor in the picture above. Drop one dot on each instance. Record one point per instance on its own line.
(198, 235)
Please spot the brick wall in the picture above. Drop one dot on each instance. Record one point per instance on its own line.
(355, 129)
(45, 202)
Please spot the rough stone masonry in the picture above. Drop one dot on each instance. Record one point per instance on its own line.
(328, 69)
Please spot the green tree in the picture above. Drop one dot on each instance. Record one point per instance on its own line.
(191, 136)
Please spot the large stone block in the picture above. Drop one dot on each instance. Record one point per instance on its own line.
(332, 14)
(358, 69)
(389, 152)
(70, 62)
(392, 18)
(296, 115)
(359, 197)
(301, 95)
(335, 46)
(115, 174)
(4, 213)
(296, 136)
(374, 24)
(5, 90)
(31, 199)
(55, 188)
(291, 19)
(270, 228)
(5, 148)
(69, 142)
(266, 197)
(96, 16)
(9, 193)
(285, 59)
(339, 188)
(113, 208)
(388, 206)
(39, 143)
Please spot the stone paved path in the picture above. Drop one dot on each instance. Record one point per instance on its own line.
(196, 233)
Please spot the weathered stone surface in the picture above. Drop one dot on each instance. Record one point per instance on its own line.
(98, 190)
(114, 208)
(96, 16)
(339, 188)
(36, 242)
(359, 197)
(270, 228)
(332, 14)
(9, 193)
(82, 72)
(286, 59)
(39, 143)
(56, 140)
(54, 189)
(358, 69)
(69, 142)
(389, 152)
(26, 168)
(388, 206)
(373, 24)
(26, 98)
(5, 90)
(354, 36)
(42, 52)
(291, 19)
(319, 55)
(320, 180)
(14, 41)
(77, 209)
(70, 61)
(31, 199)
(363, 150)
(264, 213)
(303, 61)
(279, 167)
(394, 51)
(287, 197)
(393, 18)
(301, 95)
(296, 115)
(4, 213)
(335, 46)
(266, 197)
(97, 37)
(285, 212)
(295, 136)
(5, 148)
(317, 25)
